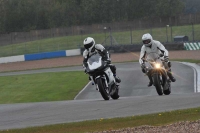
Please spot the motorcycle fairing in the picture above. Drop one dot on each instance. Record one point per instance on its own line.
(94, 62)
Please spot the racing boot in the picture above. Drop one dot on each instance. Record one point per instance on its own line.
(171, 77)
(117, 79)
(150, 84)
(150, 81)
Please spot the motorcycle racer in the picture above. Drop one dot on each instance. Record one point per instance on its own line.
(150, 45)
(92, 48)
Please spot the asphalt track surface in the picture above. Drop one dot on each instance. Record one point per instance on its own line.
(134, 82)
(136, 99)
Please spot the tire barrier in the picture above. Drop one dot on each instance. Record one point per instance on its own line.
(192, 46)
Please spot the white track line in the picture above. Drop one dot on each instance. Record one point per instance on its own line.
(196, 69)
(82, 90)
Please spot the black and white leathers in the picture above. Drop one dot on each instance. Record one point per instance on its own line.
(155, 47)
(97, 48)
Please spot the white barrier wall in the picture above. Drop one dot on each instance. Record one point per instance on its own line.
(12, 59)
(73, 52)
(36, 56)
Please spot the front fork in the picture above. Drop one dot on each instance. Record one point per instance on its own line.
(165, 80)
(104, 78)
(162, 76)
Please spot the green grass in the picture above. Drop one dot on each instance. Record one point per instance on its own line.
(157, 119)
(41, 87)
(73, 42)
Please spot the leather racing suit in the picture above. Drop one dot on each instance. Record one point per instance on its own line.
(156, 47)
(98, 48)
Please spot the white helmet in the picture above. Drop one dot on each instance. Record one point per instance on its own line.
(89, 43)
(147, 39)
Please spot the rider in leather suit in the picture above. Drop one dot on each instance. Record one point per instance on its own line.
(150, 45)
(91, 48)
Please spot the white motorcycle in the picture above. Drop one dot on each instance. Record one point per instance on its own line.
(101, 74)
(156, 69)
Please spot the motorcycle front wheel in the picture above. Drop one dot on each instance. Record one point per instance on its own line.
(168, 91)
(102, 89)
(157, 84)
(115, 95)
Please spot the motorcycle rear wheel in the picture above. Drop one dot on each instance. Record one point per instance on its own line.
(102, 89)
(157, 84)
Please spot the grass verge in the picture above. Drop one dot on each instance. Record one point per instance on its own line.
(53, 86)
(157, 119)
(187, 60)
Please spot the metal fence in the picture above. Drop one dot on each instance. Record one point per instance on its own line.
(162, 29)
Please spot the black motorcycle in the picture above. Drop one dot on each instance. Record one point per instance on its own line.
(101, 74)
(155, 68)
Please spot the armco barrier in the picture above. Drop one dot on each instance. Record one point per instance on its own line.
(192, 46)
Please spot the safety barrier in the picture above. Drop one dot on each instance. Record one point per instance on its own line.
(39, 56)
(74, 52)
(192, 46)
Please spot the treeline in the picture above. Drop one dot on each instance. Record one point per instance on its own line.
(191, 6)
(26, 15)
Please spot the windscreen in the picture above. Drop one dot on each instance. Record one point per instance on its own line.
(94, 61)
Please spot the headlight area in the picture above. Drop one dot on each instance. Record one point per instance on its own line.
(157, 65)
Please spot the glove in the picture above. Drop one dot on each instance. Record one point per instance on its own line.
(166, 58)
(108, 61)
(161, 55)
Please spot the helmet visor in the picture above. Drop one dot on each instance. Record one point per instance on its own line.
(89, 45)
(146, 41)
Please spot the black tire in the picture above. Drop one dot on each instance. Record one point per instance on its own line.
(116, 95)
(102, 88)
(156, 81)
(168, 91)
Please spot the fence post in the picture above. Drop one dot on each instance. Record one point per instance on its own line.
(151, 31)
(105, 34)
(81, 31)
(11, 38)
(24, 47)
(110, 36)
(12, 49)
(171, 33)
(167, 32)
(131, 33)
(193, 32)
